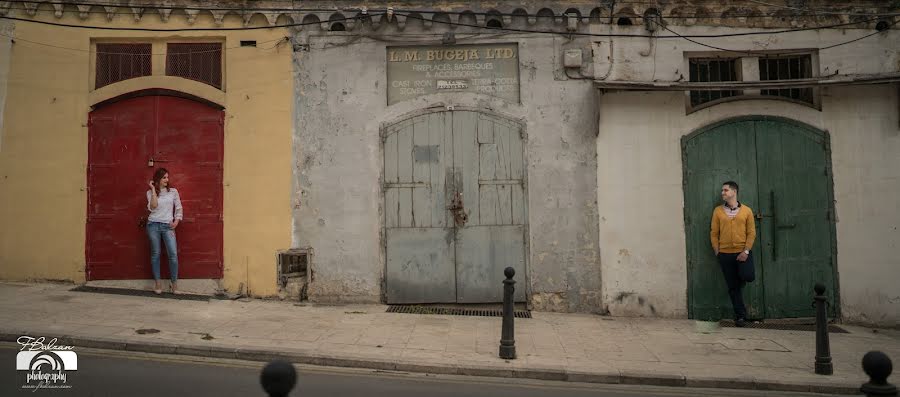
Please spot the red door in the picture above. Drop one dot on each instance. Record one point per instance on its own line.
(181, 135)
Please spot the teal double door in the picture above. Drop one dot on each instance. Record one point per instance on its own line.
(783, 171)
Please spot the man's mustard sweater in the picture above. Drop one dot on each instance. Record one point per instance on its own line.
(732, 235)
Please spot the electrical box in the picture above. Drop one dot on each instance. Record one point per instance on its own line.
(572, 58)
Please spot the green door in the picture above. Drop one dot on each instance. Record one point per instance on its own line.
(783, 173)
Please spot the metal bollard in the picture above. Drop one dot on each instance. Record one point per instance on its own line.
(278, 378)
(507, 337)
(878, 366)
(823, 348)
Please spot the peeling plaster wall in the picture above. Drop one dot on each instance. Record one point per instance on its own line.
(640, 172)
(341, 106)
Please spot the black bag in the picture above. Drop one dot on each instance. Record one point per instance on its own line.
(746, 270)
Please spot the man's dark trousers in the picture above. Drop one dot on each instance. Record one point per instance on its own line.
(731, 270)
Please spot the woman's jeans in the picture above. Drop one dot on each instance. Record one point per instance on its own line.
(163, 231)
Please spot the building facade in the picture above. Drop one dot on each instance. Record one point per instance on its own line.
(411, 154)
(90, 114)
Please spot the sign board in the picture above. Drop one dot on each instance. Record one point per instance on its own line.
(488, 69)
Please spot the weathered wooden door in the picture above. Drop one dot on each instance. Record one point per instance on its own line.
(725, 152)
(185, 137)
(781, 168)
(796, 222)
(120, 140)
(455, 212)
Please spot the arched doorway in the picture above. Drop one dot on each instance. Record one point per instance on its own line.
(180, 134)
(455, 207)
(784, 173)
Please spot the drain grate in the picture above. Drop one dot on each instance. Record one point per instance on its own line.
(834, 329)
(454, 311)
(137, 292)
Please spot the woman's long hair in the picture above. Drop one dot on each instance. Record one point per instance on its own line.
(157, 176)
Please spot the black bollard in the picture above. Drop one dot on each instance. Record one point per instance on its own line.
(278, 378)
(823, 348)
(507, 337)
(878, 366)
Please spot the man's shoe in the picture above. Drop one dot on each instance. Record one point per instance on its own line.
(740, 323)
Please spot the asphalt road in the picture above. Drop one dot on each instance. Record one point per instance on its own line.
(118, 373)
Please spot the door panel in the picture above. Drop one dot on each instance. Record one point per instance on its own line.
(119, 142)
(718, 155)
(482, 254)
(181, 135)
(420, 266)
(795, 207)
(189, 143)
(419, 237)
(493, 237)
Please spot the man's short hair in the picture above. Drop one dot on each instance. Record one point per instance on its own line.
(732, 184)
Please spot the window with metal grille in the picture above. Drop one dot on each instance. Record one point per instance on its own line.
(196, 61)
(713, 70)
(120, 61)
(787, 68)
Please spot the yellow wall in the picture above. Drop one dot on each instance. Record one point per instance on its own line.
(43, 153)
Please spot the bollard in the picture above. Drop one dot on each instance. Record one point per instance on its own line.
(278, 378)
(507, 337)
(878, 366)
(823, 349)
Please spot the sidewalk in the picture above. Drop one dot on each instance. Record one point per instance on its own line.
(571, 347)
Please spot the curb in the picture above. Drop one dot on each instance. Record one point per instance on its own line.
(308, 357)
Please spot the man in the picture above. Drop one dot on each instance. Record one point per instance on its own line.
(732, 232)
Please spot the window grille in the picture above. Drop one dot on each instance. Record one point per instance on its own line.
(712, 70)
(196, 61)
(119, 61)
(787, 68)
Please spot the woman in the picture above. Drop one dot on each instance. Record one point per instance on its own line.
(165, 214)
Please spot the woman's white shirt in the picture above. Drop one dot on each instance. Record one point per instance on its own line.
(168, 208)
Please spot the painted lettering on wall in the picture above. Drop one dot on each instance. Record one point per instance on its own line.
(488, 69)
